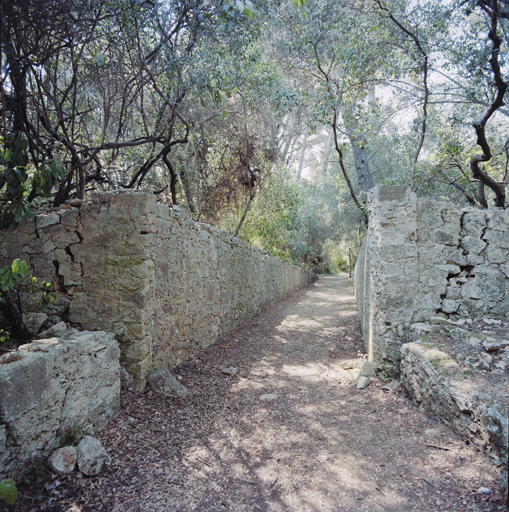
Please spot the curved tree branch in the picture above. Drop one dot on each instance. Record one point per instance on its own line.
(491, 8)
(343, 170)
(425, 70)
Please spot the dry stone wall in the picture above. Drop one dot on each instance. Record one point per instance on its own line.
(423, 258)
(52, 386)
(165, 285)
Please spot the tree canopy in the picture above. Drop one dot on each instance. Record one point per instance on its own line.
(269, 118)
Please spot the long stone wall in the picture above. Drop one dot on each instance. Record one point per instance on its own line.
(423, 258)
(165, 285)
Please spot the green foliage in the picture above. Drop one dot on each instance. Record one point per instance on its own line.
(299, 3)
(8, 491)
(15, 280)
(13, 179)
(18, 185)
(74, 435)
(271, 215)
(11, 274)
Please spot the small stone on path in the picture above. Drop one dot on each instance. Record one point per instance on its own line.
(91, 456)
(362, 382)
(164, 383)
(348, 365)
(483, 490)
(368, 369)
(230, 371)
(392, 385)
(64, 459)
(268, 397)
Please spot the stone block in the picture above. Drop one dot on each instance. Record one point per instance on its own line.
(50, 386)
(448, 392)
(43, 221)
(384, 193)
(473, 245)
(457, 258)
(91, 456)
(474, 223)
(164, 383)
(450, 306)
(496, 255)
(497, 219)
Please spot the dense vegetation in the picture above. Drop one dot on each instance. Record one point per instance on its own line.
(268, 118)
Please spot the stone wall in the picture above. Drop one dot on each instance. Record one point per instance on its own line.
(422, 258)
(165, 285)
(51, 386)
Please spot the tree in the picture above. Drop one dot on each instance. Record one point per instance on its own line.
(103, 85)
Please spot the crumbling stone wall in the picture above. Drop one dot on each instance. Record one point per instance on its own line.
(51, 386)
(422, 258)
(165, 285)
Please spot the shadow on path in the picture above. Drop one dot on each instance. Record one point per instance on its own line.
(320, 445)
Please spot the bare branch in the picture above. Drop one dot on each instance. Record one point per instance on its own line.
(491, 8)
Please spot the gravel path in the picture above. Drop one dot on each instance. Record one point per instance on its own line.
(321, 445)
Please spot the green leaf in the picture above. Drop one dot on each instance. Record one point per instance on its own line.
(8, 491)
(299, 3)
(247, 12)
(15, 266)
(23, 268)
(18, 215)
(7, 155)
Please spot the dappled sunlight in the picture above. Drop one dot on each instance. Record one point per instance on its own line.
(306, 323)
(306, 371)
(314, 442)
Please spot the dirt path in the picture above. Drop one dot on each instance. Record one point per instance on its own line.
(322, 445)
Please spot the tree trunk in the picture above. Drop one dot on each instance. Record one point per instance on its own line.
(14, 317)
(361, 160)
(243, 218)
(187, 191)
(328, 151)
(302, 154)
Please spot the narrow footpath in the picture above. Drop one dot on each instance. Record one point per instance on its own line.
(316, 444)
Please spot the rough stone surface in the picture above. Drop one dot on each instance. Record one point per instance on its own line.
(49, 386)
(34, 321)
(64, 459)
(392, 385)
(422, 258)
(368, 369)
(91, 456)
(458, 390)
(362, 382)
(163, 382)
(165, 285)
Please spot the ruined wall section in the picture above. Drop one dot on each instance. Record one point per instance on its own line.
(423, 258)
(54, 385)
(165, 285)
